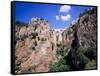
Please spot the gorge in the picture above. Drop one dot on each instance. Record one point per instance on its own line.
(38, 48)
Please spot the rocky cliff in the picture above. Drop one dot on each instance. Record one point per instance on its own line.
(34, 47)
(36, 44)
(81, 38)
(87, 29)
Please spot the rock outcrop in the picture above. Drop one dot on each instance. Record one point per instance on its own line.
(81, 35)
(87, 29)
(34, 47)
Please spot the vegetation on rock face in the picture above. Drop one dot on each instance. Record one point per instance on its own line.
(60, 66)
(43, 39)
(20, 24)
(91, 53)
(90, 11)
(17, 67)
(85, 57)
(61, 52)
(23, 37)
(34, 35)
(27, 71)
(70, 31)
(32, 48)
(91, 65)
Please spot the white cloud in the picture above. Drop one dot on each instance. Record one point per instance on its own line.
(57, 18)
(65, 8)
(66, 17)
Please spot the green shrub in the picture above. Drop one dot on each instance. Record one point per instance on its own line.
(91, 65)
(23, 37)
(59, 66)
(27, 71)
(43, 39)
(20, 24)
(17, 67)
(32, 48)
(85, 57)
(69, 32)
(61, 52)
(91, 53)
(36, 34)
(33, 35)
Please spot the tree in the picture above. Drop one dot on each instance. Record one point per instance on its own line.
(61, 52)
(87, 58)
(91, 53)
(59, 66)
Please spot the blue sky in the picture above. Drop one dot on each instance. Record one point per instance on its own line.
(59, 16)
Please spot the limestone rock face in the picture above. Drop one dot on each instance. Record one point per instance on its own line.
(68, 37)
(87, 29)
(34, 50)
(81, 35)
